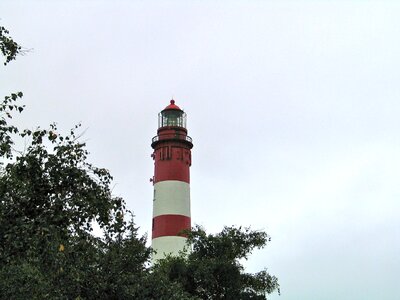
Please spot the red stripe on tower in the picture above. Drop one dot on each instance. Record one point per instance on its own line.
(171, 203)
(170, 225)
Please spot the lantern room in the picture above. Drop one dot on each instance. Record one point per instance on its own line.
(172, 115)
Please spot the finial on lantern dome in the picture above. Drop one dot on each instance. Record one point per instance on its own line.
(172, 105)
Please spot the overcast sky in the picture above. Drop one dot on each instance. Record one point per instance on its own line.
(293, 107)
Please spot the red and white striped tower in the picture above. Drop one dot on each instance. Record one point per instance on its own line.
(171, 202)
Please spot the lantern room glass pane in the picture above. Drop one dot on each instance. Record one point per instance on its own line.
(172, 118)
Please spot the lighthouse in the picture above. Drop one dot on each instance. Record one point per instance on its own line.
(171, 200)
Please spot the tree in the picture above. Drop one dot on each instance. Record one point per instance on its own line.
(50, 197)
(212, 270)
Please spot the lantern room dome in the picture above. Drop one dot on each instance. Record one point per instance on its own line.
(172, 105)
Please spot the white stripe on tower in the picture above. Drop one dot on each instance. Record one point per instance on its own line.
(171, 197)
(171, 203)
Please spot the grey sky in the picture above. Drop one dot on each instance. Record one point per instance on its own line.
(293, 107)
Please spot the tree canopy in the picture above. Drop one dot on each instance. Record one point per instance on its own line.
(212, 269)
(50, 199)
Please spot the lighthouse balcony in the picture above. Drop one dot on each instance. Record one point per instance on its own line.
(166, 137)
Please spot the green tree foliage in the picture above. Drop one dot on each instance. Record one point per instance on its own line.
(50, 199)
(8, 47)
(213, 269)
